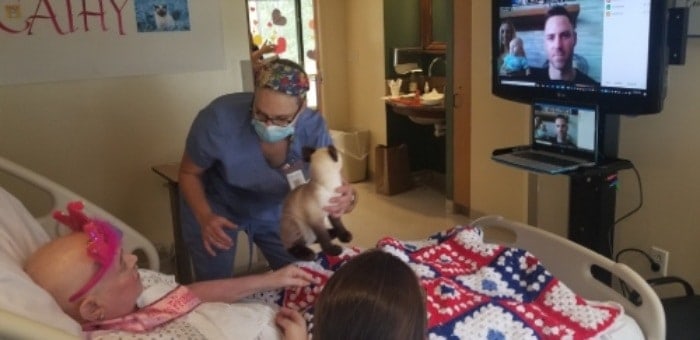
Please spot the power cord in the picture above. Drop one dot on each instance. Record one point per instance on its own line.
(629, 213)
(632, 295)
(641, 197)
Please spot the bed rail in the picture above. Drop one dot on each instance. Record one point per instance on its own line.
(132, 241)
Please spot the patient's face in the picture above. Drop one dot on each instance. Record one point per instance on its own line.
(63, 266)
(120, 287)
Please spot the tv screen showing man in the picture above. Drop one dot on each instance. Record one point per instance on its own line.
(560, 38)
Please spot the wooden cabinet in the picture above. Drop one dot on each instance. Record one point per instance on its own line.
(461, 117)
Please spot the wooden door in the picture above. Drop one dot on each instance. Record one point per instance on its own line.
(461, 146)
(317, 78)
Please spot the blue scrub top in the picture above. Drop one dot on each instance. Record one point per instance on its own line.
(237, 176)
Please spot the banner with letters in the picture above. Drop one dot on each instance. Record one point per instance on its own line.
(59, 40)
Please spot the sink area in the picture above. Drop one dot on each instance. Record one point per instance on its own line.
(421, 114)
(418, 112)
(426, 121)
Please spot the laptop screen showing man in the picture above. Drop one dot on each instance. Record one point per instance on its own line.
(564, 137)
(565, 129)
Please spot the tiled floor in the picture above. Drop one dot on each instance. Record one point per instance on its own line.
(411, 215)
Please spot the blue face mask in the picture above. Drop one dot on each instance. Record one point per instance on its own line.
(272, 133)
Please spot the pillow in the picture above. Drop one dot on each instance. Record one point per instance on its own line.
(20, 236)
(20, 233)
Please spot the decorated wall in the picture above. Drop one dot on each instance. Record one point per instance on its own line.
(57, 40)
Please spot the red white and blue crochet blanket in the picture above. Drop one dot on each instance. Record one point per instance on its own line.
(476, 290)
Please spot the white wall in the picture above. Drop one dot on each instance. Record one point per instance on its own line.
(365, 53)
(496, 123)
(333, 36)
(352, 41)
(100, 137)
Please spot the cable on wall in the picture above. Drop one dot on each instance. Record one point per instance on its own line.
(631, 212)
(632, 295)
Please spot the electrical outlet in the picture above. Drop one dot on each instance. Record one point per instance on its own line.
(660, 256)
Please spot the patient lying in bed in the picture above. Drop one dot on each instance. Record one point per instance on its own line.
(98, 285)
(464, 280)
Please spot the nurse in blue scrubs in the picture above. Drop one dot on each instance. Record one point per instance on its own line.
(242, 157)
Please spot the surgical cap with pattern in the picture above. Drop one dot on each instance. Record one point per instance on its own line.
(284, 76)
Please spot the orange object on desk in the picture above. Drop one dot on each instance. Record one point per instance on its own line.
(407, 101)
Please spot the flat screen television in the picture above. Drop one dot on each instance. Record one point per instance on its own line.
(611, 53)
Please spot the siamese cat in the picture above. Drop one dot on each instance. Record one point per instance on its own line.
(303, 220)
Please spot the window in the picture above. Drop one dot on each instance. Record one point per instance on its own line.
(288, 24)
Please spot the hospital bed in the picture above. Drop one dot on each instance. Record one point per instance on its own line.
(28, 312)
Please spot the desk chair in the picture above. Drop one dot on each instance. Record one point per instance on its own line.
(682, 312)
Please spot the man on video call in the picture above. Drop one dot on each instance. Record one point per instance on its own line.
(559, 42)
(561, 129)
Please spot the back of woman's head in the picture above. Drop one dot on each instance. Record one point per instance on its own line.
(373, 296)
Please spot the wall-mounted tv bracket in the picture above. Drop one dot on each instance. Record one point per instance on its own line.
(677, 34)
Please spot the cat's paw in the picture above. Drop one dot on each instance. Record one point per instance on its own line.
(345, 236)
(332, 233)
(302, 252)
(333, 250)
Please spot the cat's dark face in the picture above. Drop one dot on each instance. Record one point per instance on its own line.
(307, 151)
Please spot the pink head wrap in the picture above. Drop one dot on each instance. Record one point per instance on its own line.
(104, 241)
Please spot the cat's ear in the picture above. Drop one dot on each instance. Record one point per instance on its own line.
(333, 152)
(306, 152)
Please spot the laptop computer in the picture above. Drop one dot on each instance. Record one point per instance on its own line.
(564, 137)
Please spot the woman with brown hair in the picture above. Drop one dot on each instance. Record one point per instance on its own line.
(373, 296)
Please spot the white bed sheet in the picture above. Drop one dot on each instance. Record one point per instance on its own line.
(624, 328)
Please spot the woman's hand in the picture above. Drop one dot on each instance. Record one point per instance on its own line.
(342, 203)
(292, 324)
(257, 57)
(211, 225)
(214, 235)
(267, 48)
(291, 276)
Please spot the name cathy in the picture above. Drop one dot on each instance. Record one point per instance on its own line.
(64, 17)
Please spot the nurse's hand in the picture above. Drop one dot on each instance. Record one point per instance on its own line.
(214, 235)
(342, 203)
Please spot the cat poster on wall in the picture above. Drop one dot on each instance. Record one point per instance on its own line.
(161, 16)
(59, 40)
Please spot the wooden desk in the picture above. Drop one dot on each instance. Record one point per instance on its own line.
(183, 267)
